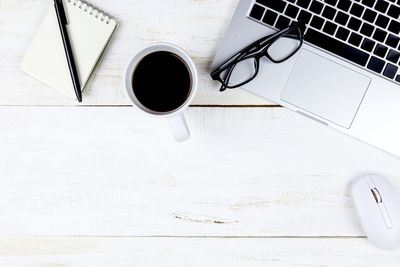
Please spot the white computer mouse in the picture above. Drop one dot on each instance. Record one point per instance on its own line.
(378, 205)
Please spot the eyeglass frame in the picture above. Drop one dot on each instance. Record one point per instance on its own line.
(261, 45)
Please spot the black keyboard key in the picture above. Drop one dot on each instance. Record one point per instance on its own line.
(398, 78)
(270, 17)
(376, 64)
(393, 56)
(292, 11)
(282, 22)
(381, 6)
(394, 27)
(342, 18)
(277, 5)
(316, 7)
(369, 3)
(331, 2)
(379, 35)
(317, 22)
(380, 50)
(354, 24)
(394, 11)
(390, 71)
(257, 12)
(368, 45)
(342, 33)
(344, 5)
(367, 29)
(329, 28)
(329, 12)
(304, 17)
(382, 21)
(303, 3)
(369, 15)
(355, 39)
(336, 47)
(357, 10)
(392, 41)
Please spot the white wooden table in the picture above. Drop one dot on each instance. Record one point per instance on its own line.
(100, 184)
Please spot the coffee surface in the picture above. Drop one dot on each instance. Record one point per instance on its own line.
(162, 81)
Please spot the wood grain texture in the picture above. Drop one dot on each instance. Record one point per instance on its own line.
(100, 251)
(245, 172)
(196, 26)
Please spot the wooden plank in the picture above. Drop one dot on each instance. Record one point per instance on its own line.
(116, 171)
(130, 251)
(196, 26)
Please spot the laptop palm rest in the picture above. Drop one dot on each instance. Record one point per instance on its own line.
(325, 88)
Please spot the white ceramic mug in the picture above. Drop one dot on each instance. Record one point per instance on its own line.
(176, 119)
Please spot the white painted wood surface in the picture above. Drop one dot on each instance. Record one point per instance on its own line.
(196, 26)
(108, 186)
(111, 251)
(115, 172)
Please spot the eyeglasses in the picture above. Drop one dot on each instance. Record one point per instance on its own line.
(243, 67)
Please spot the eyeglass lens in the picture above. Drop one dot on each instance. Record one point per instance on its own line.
(285, 46)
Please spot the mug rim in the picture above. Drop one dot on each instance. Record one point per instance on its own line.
(135, 60)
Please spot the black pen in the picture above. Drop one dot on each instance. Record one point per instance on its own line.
(62, 22)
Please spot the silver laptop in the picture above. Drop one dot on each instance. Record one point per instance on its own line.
(346, 75)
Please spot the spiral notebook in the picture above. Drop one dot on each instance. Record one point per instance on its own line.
(90, 31)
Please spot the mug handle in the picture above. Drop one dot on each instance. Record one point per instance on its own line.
(179, 127)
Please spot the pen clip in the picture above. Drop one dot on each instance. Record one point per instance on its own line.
(61, 11)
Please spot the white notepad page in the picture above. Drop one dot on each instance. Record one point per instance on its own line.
(90, 31)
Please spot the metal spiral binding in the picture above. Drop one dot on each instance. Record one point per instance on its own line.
(92, 10)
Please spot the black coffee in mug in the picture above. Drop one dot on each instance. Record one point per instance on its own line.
(162, 81)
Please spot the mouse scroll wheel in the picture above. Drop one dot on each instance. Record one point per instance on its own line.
(376, 195)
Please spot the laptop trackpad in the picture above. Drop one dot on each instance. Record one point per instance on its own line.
(325, 88)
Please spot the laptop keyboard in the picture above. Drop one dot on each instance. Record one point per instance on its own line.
(364, 32)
